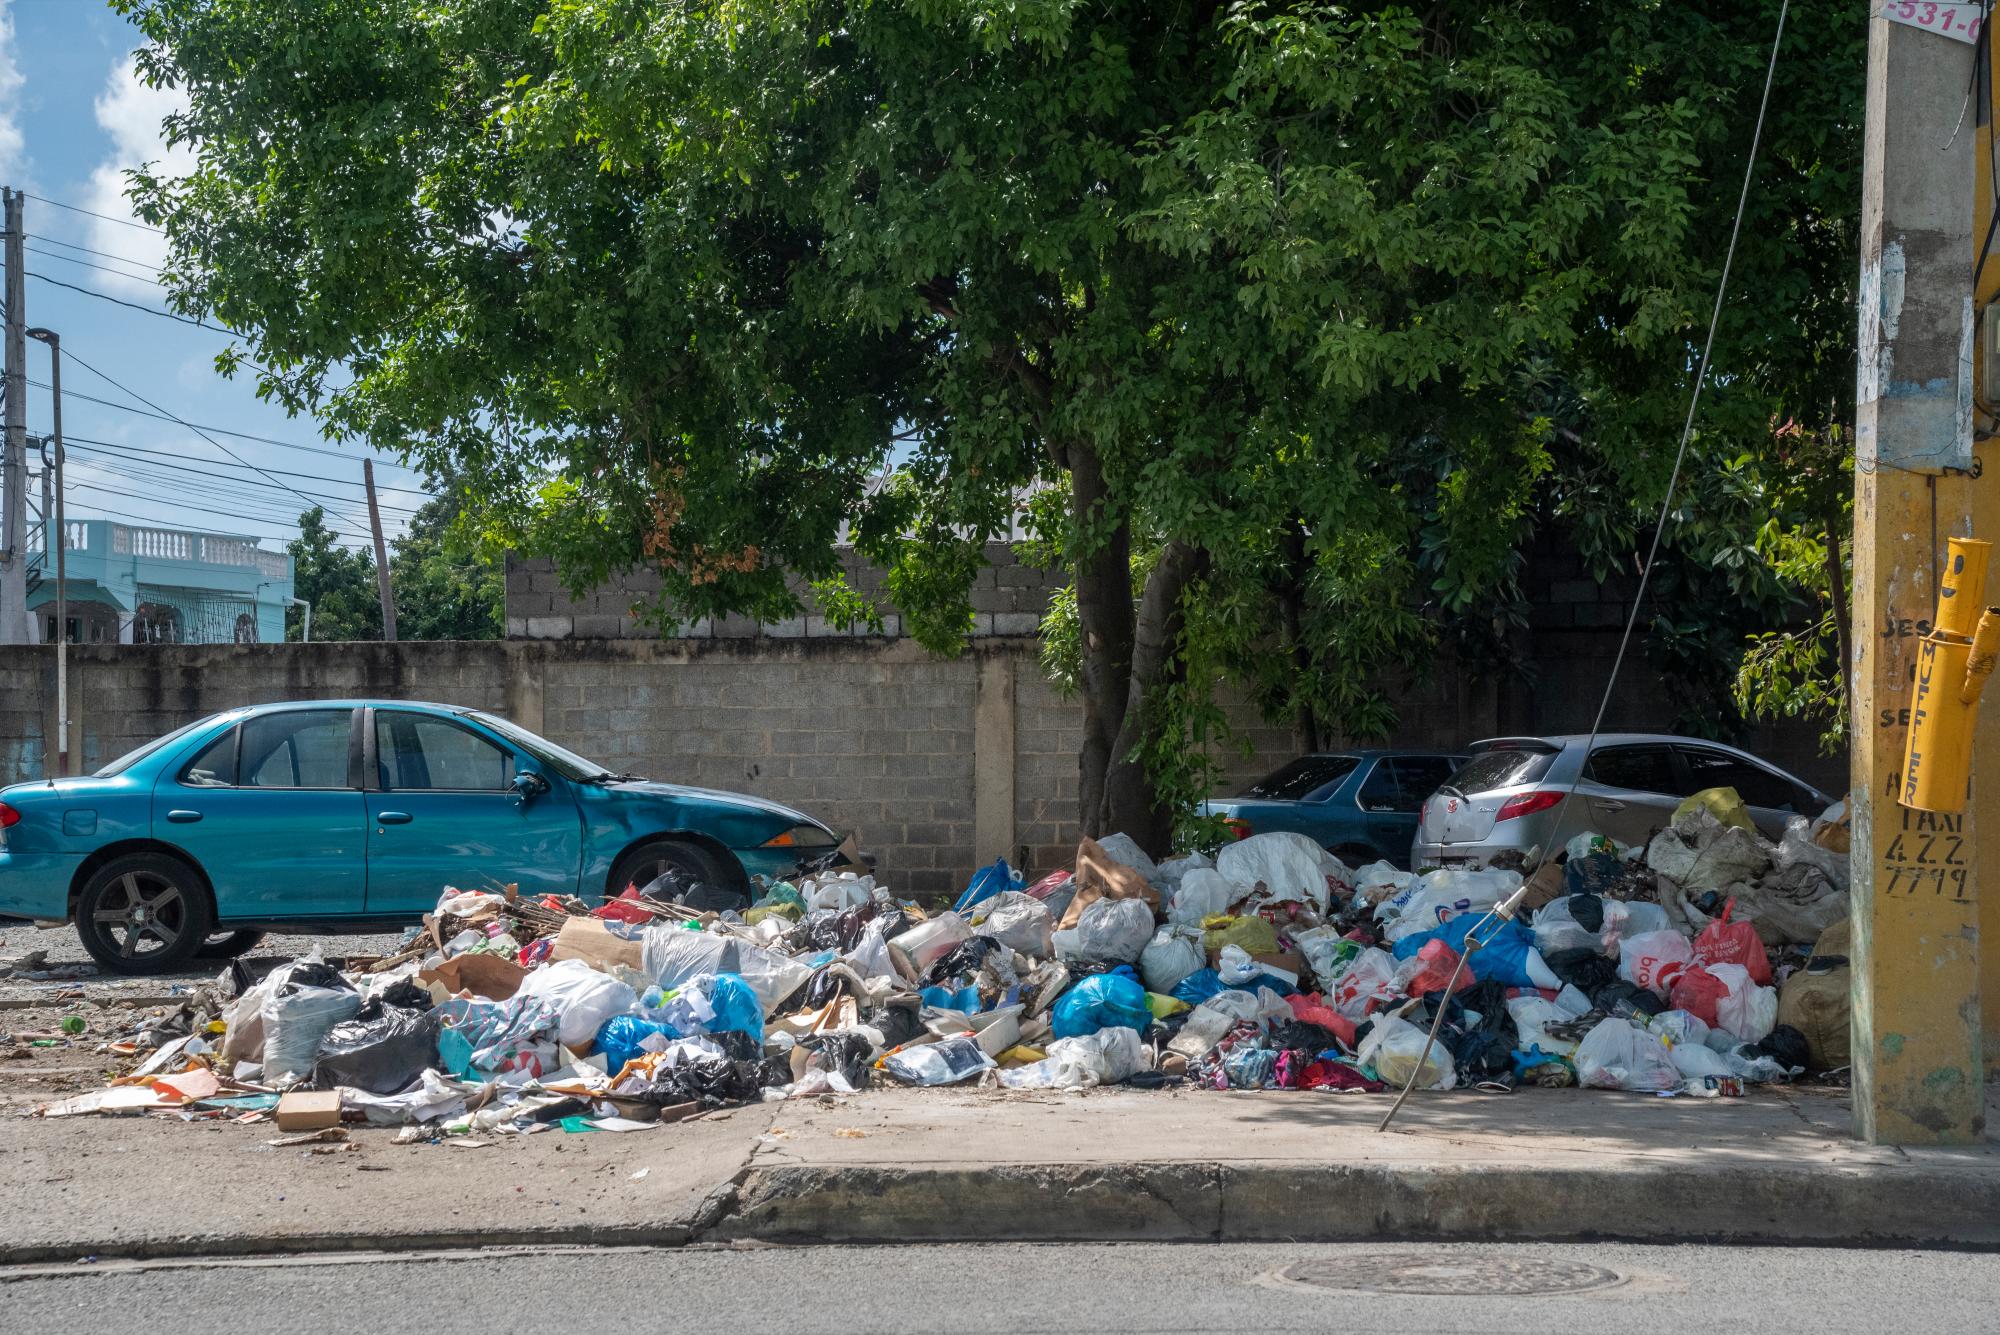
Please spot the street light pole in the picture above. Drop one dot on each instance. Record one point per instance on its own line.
(50, 337)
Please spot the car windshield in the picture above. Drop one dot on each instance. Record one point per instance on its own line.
(566, 763)
(1502, 767)
(137, 754)
(1302, 778)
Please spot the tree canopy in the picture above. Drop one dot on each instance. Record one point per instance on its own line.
(1293, 319)
(446, 587)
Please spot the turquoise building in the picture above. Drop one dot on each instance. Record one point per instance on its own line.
(141, 584)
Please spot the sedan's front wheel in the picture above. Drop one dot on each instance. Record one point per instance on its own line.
(697, 877)
(144, 913)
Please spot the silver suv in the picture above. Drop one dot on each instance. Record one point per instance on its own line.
(1509, 794)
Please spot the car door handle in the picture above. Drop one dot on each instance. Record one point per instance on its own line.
(1606, 804)
(392, 818)
(182, 816)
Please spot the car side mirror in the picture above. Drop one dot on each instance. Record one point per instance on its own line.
(528, 786)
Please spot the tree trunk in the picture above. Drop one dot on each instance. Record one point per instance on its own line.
(1104, 625)
(1131, 802)
(1836, 588)
(1291, 599)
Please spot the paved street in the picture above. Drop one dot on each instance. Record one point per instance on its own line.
(967, 1290)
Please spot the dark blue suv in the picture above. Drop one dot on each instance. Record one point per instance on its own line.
(1361, 805)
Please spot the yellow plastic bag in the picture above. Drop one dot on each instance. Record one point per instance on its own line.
(1724, 803)
(1256, 936)
(1163, 1006)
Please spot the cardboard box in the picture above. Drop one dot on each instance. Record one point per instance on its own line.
(1290, 961)
(598, 944)
(488, 976)
(309, 1110)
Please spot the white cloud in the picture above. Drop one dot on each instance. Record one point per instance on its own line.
(13, 145)
(131, 114)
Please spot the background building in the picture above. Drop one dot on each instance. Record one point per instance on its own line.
(134, 584)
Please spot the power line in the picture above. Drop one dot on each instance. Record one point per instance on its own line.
(131, 393)
(182, 467)
(119, 273)
(101, 254)
(281, 472)
(122, 222)
(222, 430)
(186, 504)
(352, 543)
(120, 301)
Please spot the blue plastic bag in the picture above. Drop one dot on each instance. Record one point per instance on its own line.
(1503, 948)
(986, 883)
(735, 1003)
(619, 1037)
(943, 998)
(1103, 1001)
(1198, 987)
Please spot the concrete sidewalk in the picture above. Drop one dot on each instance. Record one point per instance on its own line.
(895, 1165)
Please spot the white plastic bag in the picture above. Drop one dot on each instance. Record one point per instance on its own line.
(945, 1062)
(1615, 1055)
(1394, 1046)
(1286, 864)
(1114, 930)
(1106, 1057)
(583, 997)
(1531, 1014)
(1651, 959)
(1556, 928)
(1327, 953)
(772, 974)
(1379, 880)
(1168, 875)
(1696, 1060)
(1204, 892)
(1172, 954)
(1124, 848)
(838, 891)
(1748, 1011)
(672, 955)
(1441, 895)
(296, 1017)
(1017, 921)
(1371, 977)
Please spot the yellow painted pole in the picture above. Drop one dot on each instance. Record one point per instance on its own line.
(1982, 501)
(1918, 1065)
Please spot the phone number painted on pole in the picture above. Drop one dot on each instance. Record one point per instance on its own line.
(1958, 22)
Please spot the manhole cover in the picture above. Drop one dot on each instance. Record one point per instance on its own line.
(1471, 1276)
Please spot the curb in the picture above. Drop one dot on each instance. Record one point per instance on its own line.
(1234, 1202)
(1770, 1205)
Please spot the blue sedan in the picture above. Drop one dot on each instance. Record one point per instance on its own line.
(1361, 805)
(350, 815)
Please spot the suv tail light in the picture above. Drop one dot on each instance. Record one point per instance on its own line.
(1527, 804)
(8, 816)
(1237, 826)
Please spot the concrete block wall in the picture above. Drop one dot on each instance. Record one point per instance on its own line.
(1008, 598)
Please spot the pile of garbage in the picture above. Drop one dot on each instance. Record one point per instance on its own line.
(1707, 960)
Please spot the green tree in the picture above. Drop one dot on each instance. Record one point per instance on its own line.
(1296, 317)
(447, 586)
(339, 583)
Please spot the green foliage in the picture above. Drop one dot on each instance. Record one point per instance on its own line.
(1346, 299)
(340, 585)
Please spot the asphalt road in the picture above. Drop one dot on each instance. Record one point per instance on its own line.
(966, 1290)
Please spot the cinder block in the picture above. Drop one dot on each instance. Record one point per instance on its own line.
(1016, 623)
(550, 628)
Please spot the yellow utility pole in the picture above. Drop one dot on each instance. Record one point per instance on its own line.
(1982, 501)
(1919, 1076)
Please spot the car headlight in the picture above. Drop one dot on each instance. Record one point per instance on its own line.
(802, 836)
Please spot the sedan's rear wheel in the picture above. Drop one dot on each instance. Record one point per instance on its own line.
(700, 878)
(144, 913)
(229, 945)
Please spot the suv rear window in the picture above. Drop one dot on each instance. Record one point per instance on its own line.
(1302, 778)
(1502, 767)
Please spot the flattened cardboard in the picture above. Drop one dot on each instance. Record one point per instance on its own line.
(592, 941)
(1100, 876)
(488, 976)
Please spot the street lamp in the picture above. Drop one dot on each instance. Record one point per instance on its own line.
(50, 337)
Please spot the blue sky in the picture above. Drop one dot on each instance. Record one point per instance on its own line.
(72, 118)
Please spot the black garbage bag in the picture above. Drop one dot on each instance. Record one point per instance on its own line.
(1580, 967)
(1485, 1050)
(846, 1053)
(1784, 1045)
(966, 958)
(1624, 1000)
(382, 1054)
(1303, 1036)
(1593, 875)
(1588, 910)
